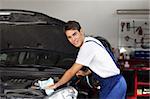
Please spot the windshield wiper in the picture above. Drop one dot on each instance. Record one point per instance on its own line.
(33, 65)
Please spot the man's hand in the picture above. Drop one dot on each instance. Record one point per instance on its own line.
(51, 86)
(80, 73)
(83, 73)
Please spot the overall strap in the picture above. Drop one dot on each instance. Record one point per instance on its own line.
(107, 49)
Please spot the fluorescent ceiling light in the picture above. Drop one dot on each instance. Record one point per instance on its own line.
(5, 13)
(133, 11)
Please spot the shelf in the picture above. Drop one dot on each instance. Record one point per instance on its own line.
(140, 79)
(144, 83)
(137, 68)
(136, 64)
(143, 95)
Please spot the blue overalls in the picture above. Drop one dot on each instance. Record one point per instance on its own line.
(113, 87)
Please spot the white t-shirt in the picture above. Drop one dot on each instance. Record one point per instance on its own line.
(96, 58)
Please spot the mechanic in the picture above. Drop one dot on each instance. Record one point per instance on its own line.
(93, 55)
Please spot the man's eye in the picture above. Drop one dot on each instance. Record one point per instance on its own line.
(74, 33)
(68, 37)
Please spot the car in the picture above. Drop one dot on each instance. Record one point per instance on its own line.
(33, 47)
(19, 68)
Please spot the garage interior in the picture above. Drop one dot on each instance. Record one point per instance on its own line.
(124, 23)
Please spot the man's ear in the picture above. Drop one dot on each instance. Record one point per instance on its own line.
(81, 31)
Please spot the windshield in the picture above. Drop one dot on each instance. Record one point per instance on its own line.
(28, 58)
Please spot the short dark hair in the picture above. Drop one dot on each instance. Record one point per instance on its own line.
(72, 25)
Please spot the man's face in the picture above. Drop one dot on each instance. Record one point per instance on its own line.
(75, 37)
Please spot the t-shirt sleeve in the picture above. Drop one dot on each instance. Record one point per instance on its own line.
(86, 54)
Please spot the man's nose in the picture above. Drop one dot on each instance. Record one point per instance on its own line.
(73, 39)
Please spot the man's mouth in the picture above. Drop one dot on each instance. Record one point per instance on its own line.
(75, 42)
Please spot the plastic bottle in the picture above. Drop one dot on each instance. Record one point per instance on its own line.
(126, 64)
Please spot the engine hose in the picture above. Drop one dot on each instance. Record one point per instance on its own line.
(88, 82)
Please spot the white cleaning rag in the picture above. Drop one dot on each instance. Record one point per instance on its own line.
(44, 83)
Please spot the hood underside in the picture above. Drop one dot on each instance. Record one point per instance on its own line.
(20, 28)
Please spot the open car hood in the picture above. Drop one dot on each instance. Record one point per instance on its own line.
(21, 28)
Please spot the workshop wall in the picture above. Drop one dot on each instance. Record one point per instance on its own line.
(98, 17)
